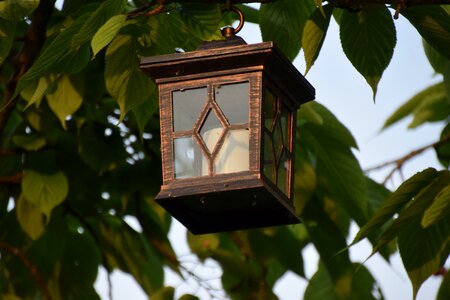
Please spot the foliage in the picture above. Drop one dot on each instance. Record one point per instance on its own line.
(79, 154)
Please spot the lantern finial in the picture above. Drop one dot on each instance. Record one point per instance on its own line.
(230, 31)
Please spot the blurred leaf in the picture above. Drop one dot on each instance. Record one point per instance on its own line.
(7, 32)
(107, 32)
(440, 208)
(444, 290)
(202, 20)
(429, 95)
(100, 151)
(17, 9)
(432, 243)
(378, 193)
(202, 245)
(320, 286)
(29, 142)
(282, 22)
(66, 100)
(433, 24)
(314, 33)
(166, 293)
(305, 183)
(307, 113)
(433, 108)
(146, 110)
(124, 80)
(45, 191)
(124, 248)
(251, 14)
(30, 218)
(368, 39)
(397, 200)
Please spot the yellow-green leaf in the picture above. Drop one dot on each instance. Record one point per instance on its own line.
(29, 142)
(7, 30)
(66, 100)
(314, 34)
(17, 9)
(439, 209)
(45, 191)
(30, 218)
(107, 32)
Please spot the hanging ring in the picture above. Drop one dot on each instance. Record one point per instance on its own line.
(230, 31)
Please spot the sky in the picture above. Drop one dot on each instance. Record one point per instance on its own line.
(343, 91)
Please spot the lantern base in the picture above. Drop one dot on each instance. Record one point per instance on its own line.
(222, 209)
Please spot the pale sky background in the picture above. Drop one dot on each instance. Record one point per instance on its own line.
(343, 91)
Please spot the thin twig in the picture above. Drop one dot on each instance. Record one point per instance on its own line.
(10, 179)
(399, 162)
(30, 266)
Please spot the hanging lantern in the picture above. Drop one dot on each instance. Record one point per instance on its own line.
(228, 119)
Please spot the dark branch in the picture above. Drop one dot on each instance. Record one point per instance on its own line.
(30, 266)
(16, 178)
(399, 162)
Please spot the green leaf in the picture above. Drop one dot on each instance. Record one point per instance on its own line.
(52, 56)
(433, 24)
(107, 32)
(368, 39)
(307, 113)
(283, 21)
(146, 110)
(124, 80)
(17, 9)
(251, 14)
(415, 210)
(202, 20)
(443, 151)
(45, 191)
(66, 100)
(29, 142)
(202, 245)
(7, 33)
(432, 243)
(188, 297)
(430, 94)
(439, 209)
(30, 218)
(103, 13)
(314, 34)
(396, 202)
(331, 144)
(436, 60)
(378, 193)
(320, 286)
(166, 293)
(444, 290)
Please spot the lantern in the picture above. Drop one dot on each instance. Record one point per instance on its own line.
(228, 120)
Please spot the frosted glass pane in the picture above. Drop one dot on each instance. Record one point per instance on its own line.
(285, 125)
(233, 101)
(186, 107)
(277, 140)
(211, 131)
(234, 154)
(187, 157)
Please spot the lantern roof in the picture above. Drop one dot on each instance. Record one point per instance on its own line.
(228, 57)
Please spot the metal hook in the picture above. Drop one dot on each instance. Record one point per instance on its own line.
(230, 31)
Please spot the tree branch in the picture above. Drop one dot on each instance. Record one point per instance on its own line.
(399, 162)
(30, 266)
(16, 178)
(33, 42)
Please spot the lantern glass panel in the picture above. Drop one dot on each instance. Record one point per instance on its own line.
(269, 168)
(278, 140)
(211, 131)
(284, 119)
(234, 153)
(233, 100)
(187, 105)
(283, 172)
(269, 111)
(187, 158)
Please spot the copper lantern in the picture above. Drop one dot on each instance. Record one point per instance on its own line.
(228, 119)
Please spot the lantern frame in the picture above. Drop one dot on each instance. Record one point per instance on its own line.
(247, 199)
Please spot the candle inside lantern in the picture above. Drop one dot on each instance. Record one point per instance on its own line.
(233, 155)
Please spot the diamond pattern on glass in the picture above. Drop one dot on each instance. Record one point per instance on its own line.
(186, 105)
(211, 130)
